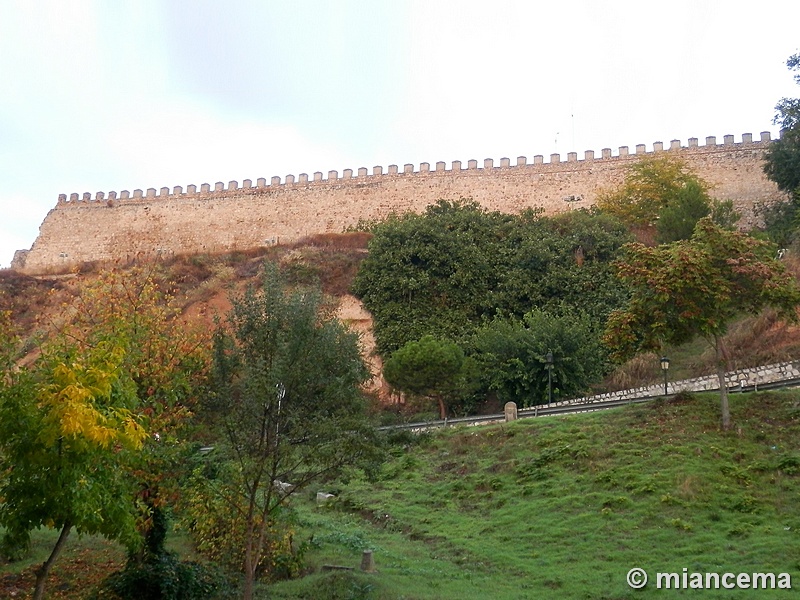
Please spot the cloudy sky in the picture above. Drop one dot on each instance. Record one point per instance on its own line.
(102, 96)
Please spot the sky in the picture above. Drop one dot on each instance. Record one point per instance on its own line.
(111, 95)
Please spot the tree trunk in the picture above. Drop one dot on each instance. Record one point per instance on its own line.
(723, 388)
(249, 567)
(248, 585)
(44, 570)
(442, 409)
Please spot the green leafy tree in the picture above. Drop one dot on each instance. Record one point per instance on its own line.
(697, 287)
(782, 165)
(651, 185)
(781, 221)
(560, 261)
(677, 219)
(432, 273)
(70, 427)
(445, 272)
(287, 396)
(428, 367)
(782, 159)
(724, 214)
(511, 356)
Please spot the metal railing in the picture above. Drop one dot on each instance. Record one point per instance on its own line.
(577, 406)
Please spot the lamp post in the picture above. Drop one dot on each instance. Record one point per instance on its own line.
(549, 365)
(665, 368)
(281, 392)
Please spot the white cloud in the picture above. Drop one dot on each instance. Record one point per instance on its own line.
(111, 96)
(182, 143)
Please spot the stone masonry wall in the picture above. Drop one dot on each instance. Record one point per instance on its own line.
(220, 218)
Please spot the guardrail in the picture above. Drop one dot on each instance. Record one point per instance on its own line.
(577, 406)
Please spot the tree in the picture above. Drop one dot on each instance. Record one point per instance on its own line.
(69, 428)
(782, 159)
(286, 392)
(445, 272)
(697, 287)
(119, 349)
(651, 185)
(167, 363)
(432, 274)
(427, 367)
(511, 356)
(782, 165)
(676, 221)
(788, 109)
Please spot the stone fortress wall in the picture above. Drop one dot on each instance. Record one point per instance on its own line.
(219, 218)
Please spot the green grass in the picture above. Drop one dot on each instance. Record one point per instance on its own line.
(557, 507)
(563, 507)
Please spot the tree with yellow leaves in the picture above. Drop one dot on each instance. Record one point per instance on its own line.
(166, 360)
(663, 193)
(68, 426)
(88, 432)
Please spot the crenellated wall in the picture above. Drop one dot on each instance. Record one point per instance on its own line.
(143, 224)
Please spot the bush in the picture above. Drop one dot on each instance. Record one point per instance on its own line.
(219, 535)
(164, 577)
(339, 585)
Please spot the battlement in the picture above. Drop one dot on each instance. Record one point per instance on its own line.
(223, 217)
(364, 174)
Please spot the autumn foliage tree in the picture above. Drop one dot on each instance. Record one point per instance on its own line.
(662, 192)
(118, 363)
(166, 359)
(651, 184)
(69, 427)
(696, 288)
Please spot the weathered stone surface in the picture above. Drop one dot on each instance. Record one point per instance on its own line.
(510, 410)
(324, 498)
(237, 218)
(367, 562)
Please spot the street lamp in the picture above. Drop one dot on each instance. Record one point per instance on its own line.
(665, 368)
(549, 365)
(280, 389)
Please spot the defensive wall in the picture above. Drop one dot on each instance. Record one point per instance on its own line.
(144, 224)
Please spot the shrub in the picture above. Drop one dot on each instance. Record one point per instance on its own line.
(219, 535)
(164, 577)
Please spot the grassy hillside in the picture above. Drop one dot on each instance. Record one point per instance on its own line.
(557, 507)
(563, 507)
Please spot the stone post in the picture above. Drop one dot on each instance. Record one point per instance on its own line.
(510, 411)
(367, 562)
